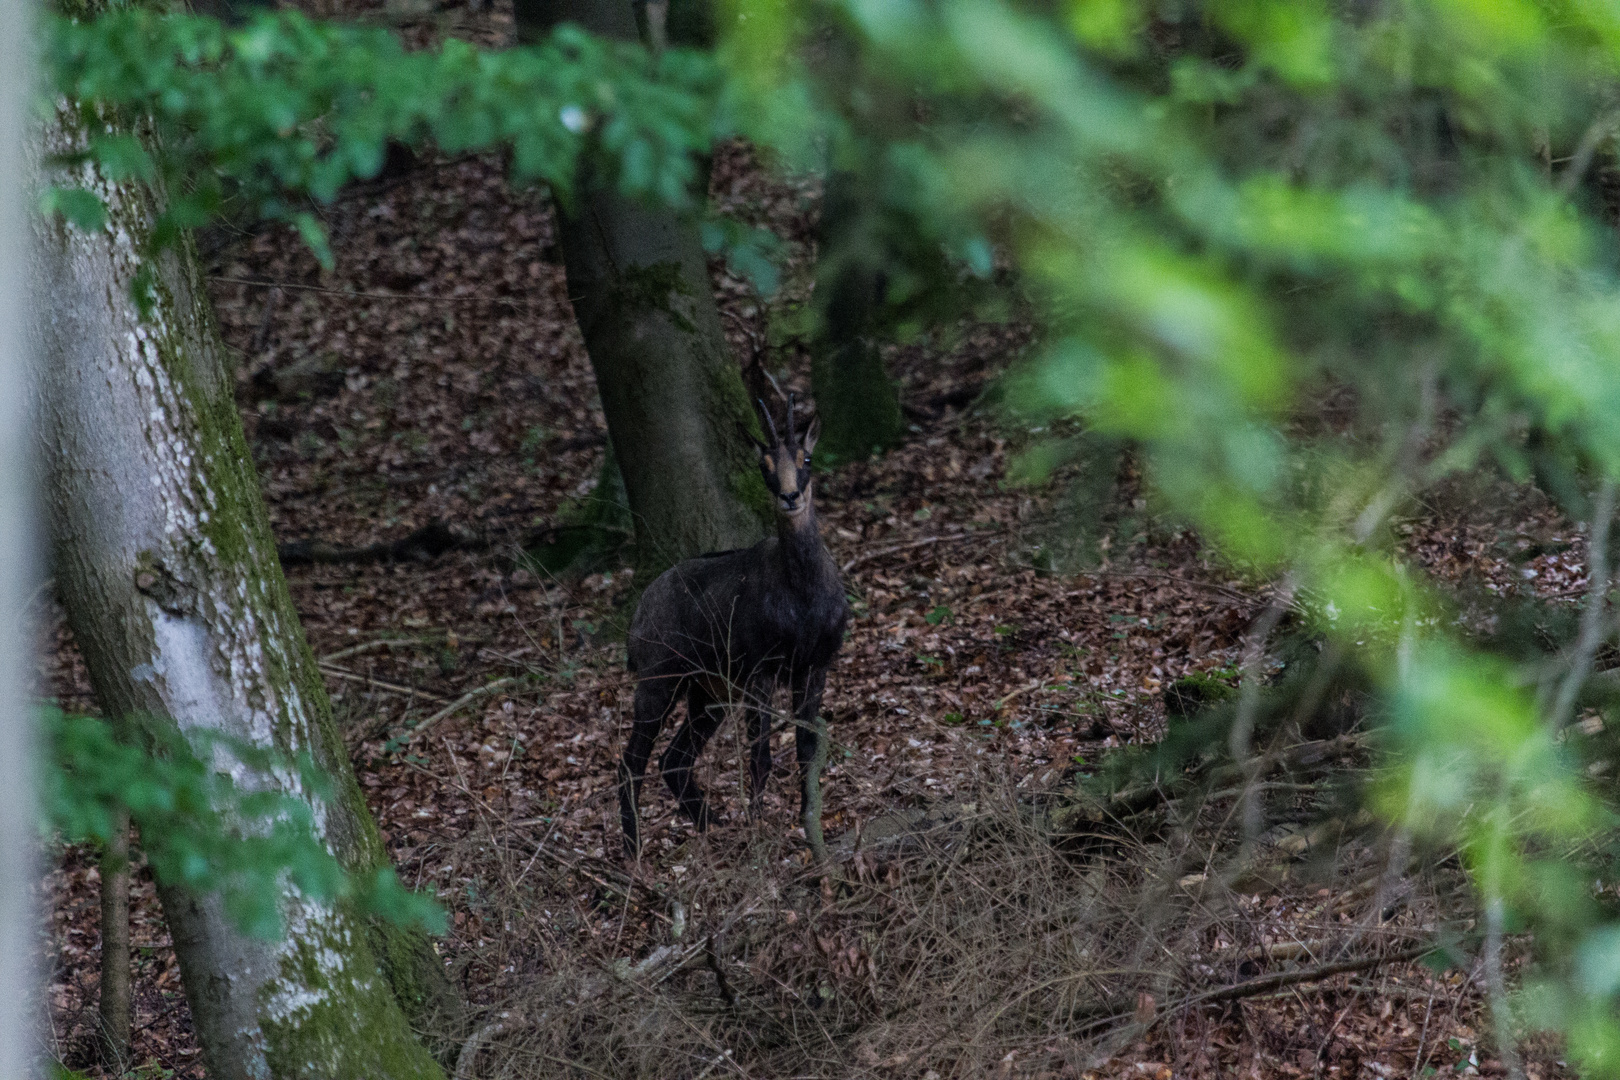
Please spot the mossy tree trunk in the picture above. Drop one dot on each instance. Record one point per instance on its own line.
(672, 394)
(164, 561)
(855, 398)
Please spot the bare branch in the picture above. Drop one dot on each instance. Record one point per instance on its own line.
(1594, 627)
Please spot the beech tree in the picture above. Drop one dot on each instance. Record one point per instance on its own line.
(17, 926)
(164, 562)
(672, 394)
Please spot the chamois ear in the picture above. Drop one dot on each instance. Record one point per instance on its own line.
(811, 434)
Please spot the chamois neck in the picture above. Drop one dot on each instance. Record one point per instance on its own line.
(800, 542)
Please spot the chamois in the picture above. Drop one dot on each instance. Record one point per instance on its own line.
(729, 628)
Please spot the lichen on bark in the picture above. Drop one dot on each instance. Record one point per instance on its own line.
(328, 1017)
(166, 566)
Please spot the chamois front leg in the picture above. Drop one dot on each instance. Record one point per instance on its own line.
(810, 742)
(655, 697)
(757, 707)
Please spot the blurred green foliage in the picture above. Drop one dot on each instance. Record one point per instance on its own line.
(202, 831)
(268, 118)
(1225, 216)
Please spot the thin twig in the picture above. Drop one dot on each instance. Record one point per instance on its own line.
(1423, 1036)
(625, 887)
(1496, 985)
(404, 643)
(1223, 590)
(1594, 627)
(719, 973)
(365, 647)
(880, 552)
(456, 705)
(358, 295)
(1036, 685)
(481, 1038)
(1254, 654)
(1598, 130)
(1266, 983)
(378, 684)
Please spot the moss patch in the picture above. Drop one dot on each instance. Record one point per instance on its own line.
(732, 408)
(347, 1026)
(649, 287)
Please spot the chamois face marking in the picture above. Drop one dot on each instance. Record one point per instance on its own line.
(785, 465)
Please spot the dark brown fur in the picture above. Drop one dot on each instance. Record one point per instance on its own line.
(729, 628)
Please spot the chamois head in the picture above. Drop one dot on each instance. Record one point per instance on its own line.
(785, 463)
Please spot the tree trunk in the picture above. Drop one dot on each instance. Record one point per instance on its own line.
(856, 400)
(672, 394)
(113, 1004)
(20, 1004)
(165, 564)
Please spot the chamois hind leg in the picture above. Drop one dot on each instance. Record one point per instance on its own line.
(703, 716)
(757, 707)
(810, 742)
(655, 698)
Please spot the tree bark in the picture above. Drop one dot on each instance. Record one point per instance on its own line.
(166, 567)
(672, 395)
(855, 398)
(20, 1004)
(113, 997)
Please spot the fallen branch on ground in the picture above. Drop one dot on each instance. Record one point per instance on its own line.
(428, 542)
(393, 688)
(672, 957)
(443, 640)
(896, 548)
(1259, 985)
(423, 545)
(1139, 799)
(455, 706)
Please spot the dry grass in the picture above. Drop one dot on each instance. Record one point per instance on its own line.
(972, 940)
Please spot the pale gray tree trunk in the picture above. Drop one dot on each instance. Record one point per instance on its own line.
(164, 561)
(20, 1007)
(673, 396)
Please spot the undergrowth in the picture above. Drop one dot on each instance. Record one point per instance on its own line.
(1004, 934)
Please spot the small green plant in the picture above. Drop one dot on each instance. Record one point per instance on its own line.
(533, 439)
(938, 615)
(199, 829)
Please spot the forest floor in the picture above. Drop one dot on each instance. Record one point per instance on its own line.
(437, 376)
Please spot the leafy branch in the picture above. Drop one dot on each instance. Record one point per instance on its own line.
(287, 108)
(203, 831)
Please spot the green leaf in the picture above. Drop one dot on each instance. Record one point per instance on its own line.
(82, 209)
